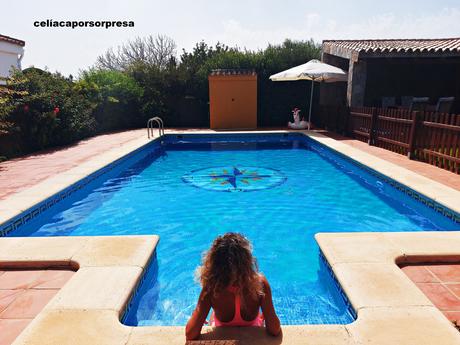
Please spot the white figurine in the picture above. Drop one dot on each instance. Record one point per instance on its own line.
(297, 124)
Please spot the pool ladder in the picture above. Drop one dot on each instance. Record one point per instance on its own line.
(159, 122)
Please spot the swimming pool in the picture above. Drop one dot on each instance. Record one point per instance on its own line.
(279, 190)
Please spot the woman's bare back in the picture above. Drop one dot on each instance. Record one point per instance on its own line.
(223, 305)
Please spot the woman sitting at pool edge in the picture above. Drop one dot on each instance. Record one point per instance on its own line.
(233, 288)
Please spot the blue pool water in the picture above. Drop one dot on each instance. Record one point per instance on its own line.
(278, 191)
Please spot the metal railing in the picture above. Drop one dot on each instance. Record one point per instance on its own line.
(159, 122)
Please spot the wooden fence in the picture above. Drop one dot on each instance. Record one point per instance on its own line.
(425, 136)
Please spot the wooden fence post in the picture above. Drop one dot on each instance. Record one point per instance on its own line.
(413, 135)
(372, 127)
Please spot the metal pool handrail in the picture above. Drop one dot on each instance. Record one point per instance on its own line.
(161, 129)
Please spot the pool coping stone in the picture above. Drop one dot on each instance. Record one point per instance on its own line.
(97, 295)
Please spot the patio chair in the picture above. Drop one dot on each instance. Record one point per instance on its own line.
(419, 103)
(444, 104)
(388, 102)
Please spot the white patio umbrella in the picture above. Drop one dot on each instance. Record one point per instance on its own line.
(313, 70)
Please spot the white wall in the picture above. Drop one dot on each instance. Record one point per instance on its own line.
(10, 56)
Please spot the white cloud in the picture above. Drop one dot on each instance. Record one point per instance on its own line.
(444, 23)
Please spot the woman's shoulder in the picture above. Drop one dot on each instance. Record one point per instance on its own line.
(263, 280)
(262, 277)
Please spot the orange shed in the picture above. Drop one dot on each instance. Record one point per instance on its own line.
(233, 99)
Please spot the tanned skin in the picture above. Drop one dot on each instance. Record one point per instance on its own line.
(224, 308)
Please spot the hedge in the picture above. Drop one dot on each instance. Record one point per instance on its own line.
(39, 109)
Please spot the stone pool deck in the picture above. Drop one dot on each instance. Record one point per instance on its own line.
(23, 294)
(430, 171)
(24, 172)
(441, 284)
(391, 309)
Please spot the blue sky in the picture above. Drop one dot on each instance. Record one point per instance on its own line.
(251, 24)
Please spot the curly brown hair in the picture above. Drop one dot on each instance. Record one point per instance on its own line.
(229, 262)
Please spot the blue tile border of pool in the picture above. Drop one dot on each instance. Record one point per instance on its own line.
(129, 304)
(44, 205)
(338, 286)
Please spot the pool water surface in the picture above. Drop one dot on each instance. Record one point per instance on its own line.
(278, 191)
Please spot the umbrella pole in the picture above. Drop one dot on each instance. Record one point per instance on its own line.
(311, 101)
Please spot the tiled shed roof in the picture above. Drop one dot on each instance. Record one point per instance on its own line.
(12, 40)
(233, 72)
(407, 45)
(386, 46)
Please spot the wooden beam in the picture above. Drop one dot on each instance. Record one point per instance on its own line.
(394, 142)
(393, 119)
(441, 125)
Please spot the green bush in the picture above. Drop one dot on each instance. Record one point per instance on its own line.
(45, 109)
(180, 93)
(115, 96)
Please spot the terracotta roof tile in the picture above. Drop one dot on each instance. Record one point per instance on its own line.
(233, 72)
(12, 40)
(397, 45)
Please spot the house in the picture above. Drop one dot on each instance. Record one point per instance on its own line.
(392, 68)
(11, 54)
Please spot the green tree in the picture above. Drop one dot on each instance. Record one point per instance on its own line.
(276, 99)
(8, 95)
(115, 97)
(46, 109)
(158, 51)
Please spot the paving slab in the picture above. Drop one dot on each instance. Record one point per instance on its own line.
(75, 327)
(117, 251)
(10, 329)
(411, 326)
(23, 172)
(440, 175)
(27, 253)
(378, 285)
(98, 288)
(348, 248)
(28, 304)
